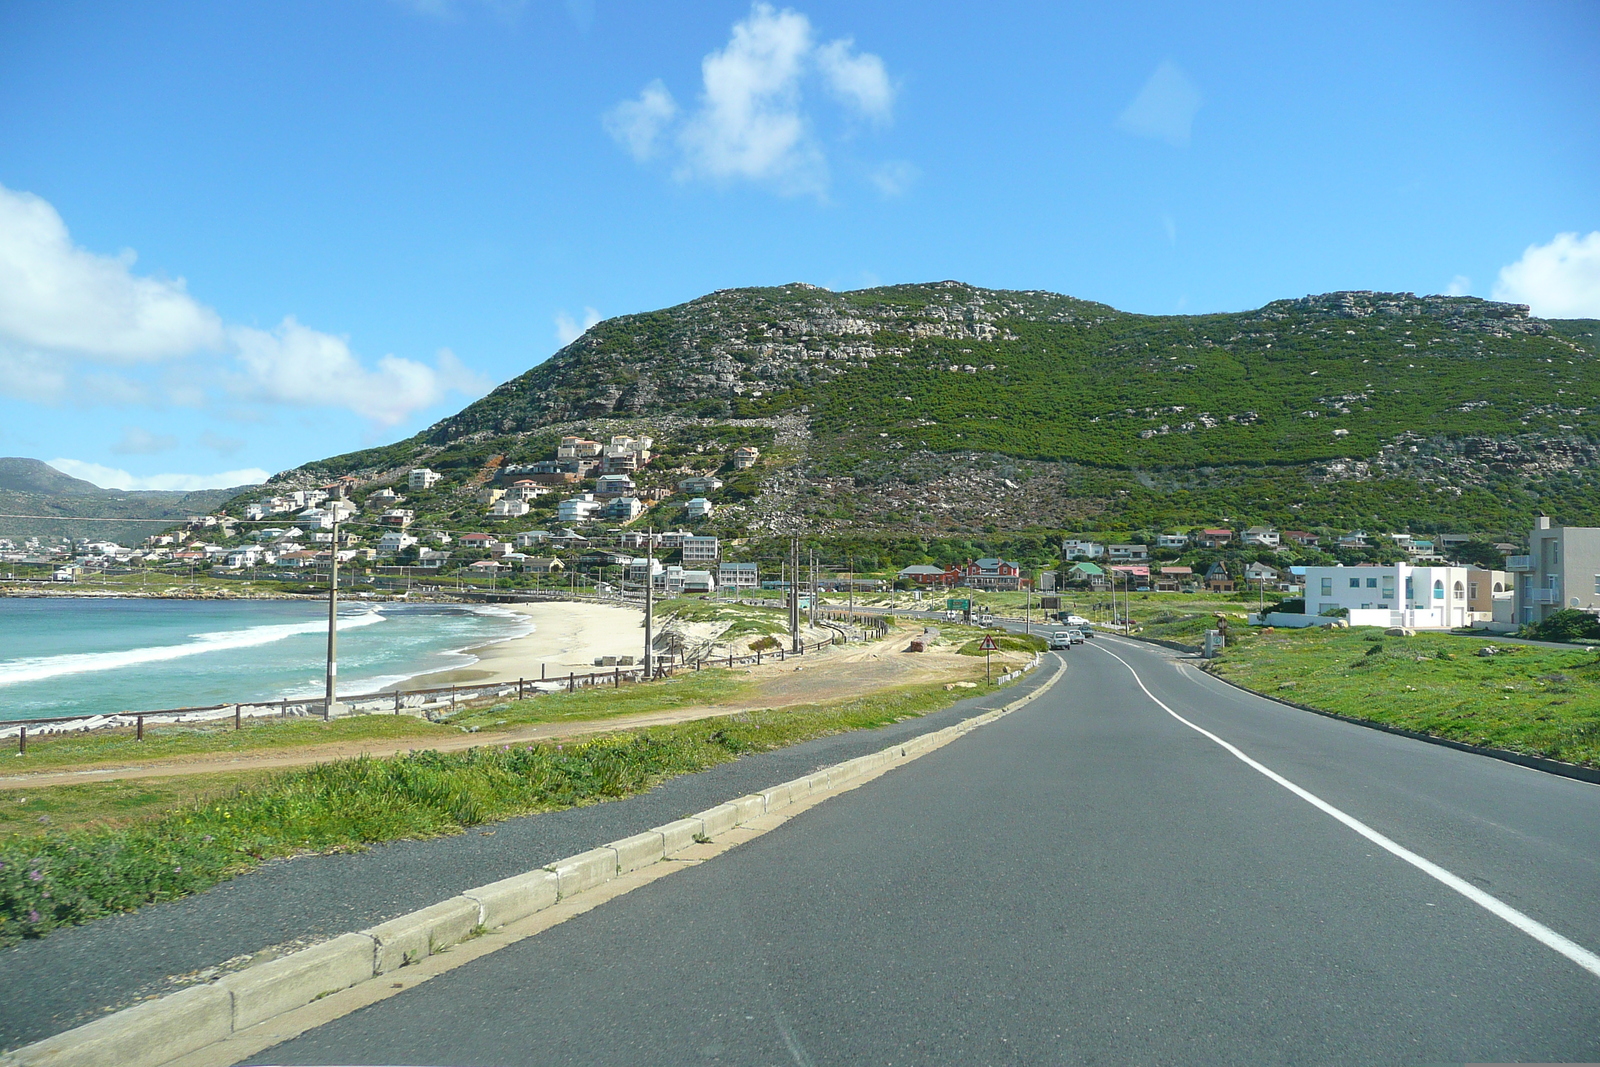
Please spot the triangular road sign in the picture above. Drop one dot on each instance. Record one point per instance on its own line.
(988, 644)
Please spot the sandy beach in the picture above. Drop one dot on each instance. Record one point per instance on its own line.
(567, 636)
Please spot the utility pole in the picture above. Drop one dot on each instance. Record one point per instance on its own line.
(811, 571)
(649, 601)
(333, 625)
(794, 593)
(850, 562)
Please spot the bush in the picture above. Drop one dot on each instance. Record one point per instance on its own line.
(1568, 624)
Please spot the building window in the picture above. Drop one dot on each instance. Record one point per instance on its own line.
(1364, 607)
(1327, 587)
(1438, 590)
(1372, 583)
(1355, 583)
(1460, 593)
(1325, 607)
(1597, 585)
(1474, 590)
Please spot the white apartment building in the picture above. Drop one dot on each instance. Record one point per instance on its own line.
(1396, 594)
(700, 550)
(698, 508)
(700, 483)
(393, 541)
(1178, 541)
(422, 478)
(1077, 549)
(738, 576)
(508, 509)
(1561, 570)
(641, 566)
(1263, 537)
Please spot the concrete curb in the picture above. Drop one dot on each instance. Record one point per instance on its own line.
(189, 1022)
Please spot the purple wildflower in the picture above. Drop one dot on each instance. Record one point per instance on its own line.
(33, 916)
(35, 876)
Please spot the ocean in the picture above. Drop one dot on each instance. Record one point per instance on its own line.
(72, 656)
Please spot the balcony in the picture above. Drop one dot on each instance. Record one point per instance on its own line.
(1545, 596)
(1519, 563)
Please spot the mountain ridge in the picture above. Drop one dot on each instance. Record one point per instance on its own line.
(946, 405)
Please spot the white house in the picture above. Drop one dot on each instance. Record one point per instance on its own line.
(530, 538)
(641, 566)
(1396, 594)
(745, 456)
(580, 508)
(623, 509)
(700, 550)
(698, 508)
(508, 509)
(1262, 537)
(421, 478)
(393, 541)
(1178, 541)
(1079, 549)
(613, 485)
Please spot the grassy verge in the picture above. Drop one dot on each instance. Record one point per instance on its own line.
(1536, 701)
(691, 689)
(1006, 643)
(108, 805)
(53, 877)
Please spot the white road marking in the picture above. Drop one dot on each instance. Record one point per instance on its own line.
(1528, 925)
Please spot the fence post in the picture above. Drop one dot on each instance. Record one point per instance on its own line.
(452, 698)
(519, 688)
(397, 701)
(616, 677)
(572, 682)
(22, 741)
(730, 660)
(238, 717)
(283, 713)
(758, 657)
(541, 672)
(138, 728)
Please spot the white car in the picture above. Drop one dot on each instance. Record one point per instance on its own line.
(1060, 642)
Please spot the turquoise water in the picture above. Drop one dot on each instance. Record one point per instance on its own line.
(71, 656)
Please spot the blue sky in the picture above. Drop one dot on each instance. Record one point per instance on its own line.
(236, 237)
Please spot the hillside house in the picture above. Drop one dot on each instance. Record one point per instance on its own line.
(1262, 537)
(622, 509)
(1177, 542)
(489, 494)
(1217, 579)
(698, 508)
(1174, 579)
(745, 456)
(508, 509)
(641, 566)
(1214, 537)
(422, 478)
(400, 517)
(1561, 570)
(700, 483)
(530, 538)
(1354, 539)
(567, 538)
(572, 447)
(381, 499)
(1260, 574)
(624, 454)
(1080, 549)
(1303, 538)
(613, 485)
(542, 565)
(927, 574)
(1089, 574)
(1128, 553)
(526, 489)
(580, 508)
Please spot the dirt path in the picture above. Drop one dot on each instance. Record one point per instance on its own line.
(837, 674)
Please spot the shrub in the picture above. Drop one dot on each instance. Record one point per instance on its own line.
(1568, 624)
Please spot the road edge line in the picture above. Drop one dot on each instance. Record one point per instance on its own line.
(200, 1026)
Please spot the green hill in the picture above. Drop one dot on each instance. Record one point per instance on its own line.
(58, 505)
(945, 406)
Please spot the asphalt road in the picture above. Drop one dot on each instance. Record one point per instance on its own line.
(1089, 880)
(77, 974)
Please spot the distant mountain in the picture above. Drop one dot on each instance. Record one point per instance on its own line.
(56, 504)
(942, 406)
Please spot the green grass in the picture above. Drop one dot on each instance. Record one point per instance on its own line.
(29, 812)
(1007, 643)
(50, 752)
(691, 689)
(51, 878)
(1535, 701)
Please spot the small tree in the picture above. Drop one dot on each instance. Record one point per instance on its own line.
(1568, 624)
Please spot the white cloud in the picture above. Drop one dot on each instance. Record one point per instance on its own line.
(1559, 280)
(218, 443)
(751, 123)
(857, 78)
(1460, 285)
(137, 441)
(55, 296)
(64, 309)
(568, 330)
(1165, 107)
(894, 177)
(294, 364)
(114, 478)
(637, 124)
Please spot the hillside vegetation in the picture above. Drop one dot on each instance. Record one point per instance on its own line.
(60, 505)
(944, 405)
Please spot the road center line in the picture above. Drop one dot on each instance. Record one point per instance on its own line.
(1530, 926)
